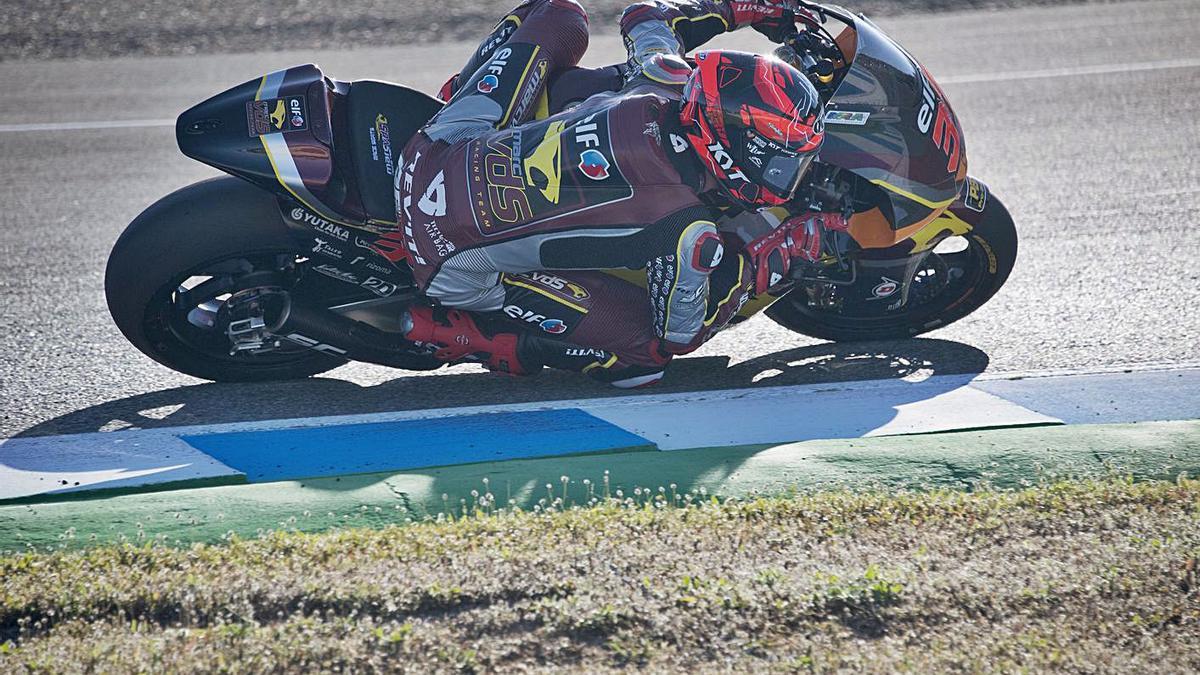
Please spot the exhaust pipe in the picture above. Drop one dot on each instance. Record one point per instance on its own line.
(326, 331)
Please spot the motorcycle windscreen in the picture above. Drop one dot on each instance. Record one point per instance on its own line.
(890, 123)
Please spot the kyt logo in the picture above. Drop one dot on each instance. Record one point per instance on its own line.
(725, 161)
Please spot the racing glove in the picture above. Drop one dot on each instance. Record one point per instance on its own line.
(775, 19)
(796, 241)
(675, 27)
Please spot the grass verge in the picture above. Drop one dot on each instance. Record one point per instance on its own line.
(1078, 575)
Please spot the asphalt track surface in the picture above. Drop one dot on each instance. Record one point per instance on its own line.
(1084, 120)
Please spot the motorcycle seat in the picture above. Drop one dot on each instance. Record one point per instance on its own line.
(381, 117)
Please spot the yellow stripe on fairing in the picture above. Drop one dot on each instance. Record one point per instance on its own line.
(267, 151)
(916, 198)
(324, 213)
(923, 238)
(279, 178)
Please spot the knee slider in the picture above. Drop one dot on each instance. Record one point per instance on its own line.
(701, 245)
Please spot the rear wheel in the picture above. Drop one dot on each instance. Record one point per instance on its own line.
(955, 279)
(173, 269)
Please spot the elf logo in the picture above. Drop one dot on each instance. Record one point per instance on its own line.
(928, 105)
(593, 164)
(297, 112)
(552, 326)
(488, 84)
(495, 69)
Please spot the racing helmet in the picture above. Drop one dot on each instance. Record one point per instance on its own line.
(755, 122)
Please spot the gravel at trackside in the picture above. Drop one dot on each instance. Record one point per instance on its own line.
(37, 29)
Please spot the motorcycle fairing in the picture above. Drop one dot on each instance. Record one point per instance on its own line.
(290, 150)
(890, 123)
(380, 118)
(293, 156)
(966, 211)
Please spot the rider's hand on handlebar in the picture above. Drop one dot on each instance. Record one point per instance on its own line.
(796, 239)
(776, 19)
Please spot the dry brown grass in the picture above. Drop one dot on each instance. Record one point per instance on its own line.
(1087, 577)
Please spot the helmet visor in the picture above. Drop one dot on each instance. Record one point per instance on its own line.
(782, 173)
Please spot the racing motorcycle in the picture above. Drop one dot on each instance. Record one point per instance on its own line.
(293, 265)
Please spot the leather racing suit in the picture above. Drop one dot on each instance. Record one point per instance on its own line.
(510, 219)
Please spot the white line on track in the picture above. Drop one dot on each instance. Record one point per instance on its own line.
(77, 126)
(675, 421)
(1102, 69)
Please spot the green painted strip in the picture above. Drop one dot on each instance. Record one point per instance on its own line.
(1003, 458)
(106, 493)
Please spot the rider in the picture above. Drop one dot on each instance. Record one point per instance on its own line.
(635, 178)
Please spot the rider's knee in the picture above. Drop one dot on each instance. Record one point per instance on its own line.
(570, 5)
(701, 246)
(561, 29)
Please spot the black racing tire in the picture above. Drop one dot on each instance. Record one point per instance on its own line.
(214, 220)
(989, 258)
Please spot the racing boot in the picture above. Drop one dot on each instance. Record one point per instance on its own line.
(601, 365)
(455, 337)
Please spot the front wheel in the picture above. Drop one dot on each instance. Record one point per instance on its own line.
(955, 279)
(173, 268)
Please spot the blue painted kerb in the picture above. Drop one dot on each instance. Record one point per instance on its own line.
(283, 454)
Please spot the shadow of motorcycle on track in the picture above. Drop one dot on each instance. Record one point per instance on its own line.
(219, 403)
